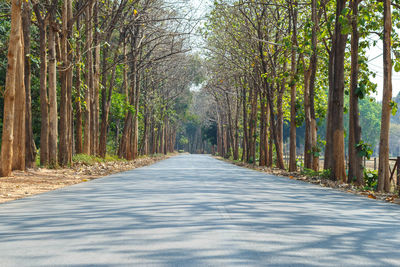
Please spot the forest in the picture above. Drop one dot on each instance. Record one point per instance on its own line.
(250, 81)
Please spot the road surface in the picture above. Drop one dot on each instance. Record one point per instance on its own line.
(193, 210)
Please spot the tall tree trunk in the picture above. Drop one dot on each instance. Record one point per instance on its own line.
(245, 137)
(335, 124)
(355, 161)
(29, 141)
(293, 126)
(96, 84)
(106, 103)
(19, 110)
(237, 114)
(78, 99)
(253, 125)
(89, 82)
(53, 118)
(263, 132)
(64, 147)
(384, 172)
(307, 118)
(313, 68)
(14, 49)
(44, 101)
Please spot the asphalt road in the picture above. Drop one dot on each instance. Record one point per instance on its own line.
(193, 210)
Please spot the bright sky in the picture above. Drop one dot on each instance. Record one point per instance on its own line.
(376, 65)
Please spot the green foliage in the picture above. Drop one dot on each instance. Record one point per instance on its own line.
(183, 141)
(86, 159)
(325, 174)
(364, 149)
(90, 160)
(371, 179)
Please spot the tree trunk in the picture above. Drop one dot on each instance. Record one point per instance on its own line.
(14, 49)
(44, 101)
(96, 85)
(64, 148)
(384, 172)
(53, 118)
(245, 137)
(89, 83)
(355, 161)
(307, 118)
(263, 132)
(78, 100)
(335, 124)
(29, 141)
(19, 111)
(236, 148)
(313, 69)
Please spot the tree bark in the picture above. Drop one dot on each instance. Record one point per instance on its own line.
(335, 119)
(78, 99)
(355, 161)
(293, 126)
(14, 48)
(96, 84)
(44, 101)
(89, 82)
(65, 151)
(19, 111)
(384, 172)
(53, 117)
(29, 141)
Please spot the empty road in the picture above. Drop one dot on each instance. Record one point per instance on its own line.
(193, 210)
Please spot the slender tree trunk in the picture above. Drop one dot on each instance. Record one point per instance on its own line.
(89, 83)
(106, 103)
(293, 126)
(29, 142)
(96, 85)
(263, 131)
(307, 118)
(355, 161)
(14, 49)
(384, 172)
(78, 100)
(336, 163)
(19, 110)
(245, 137)
(64, 147)
(313, 69)
(53, 117)
(44, 101)
(236, 149)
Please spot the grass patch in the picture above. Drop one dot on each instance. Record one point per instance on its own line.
(86, 159)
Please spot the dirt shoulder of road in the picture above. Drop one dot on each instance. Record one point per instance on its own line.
(349, 188)
(35, 181)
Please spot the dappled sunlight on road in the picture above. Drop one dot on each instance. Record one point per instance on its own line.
(193, 210)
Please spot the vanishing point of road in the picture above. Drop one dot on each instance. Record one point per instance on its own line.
(194, 210)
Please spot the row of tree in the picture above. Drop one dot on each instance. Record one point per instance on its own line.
(280, 61)
(109, 76)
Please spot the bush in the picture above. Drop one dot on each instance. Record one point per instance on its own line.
(86, 159)
(325, 174)
(371, 179)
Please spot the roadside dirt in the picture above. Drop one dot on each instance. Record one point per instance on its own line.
(349, 188)
(36, 181)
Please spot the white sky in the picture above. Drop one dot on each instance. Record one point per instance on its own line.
(376, 65)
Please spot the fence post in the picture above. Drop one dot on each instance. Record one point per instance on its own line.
(398, 171)
(375, 163)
